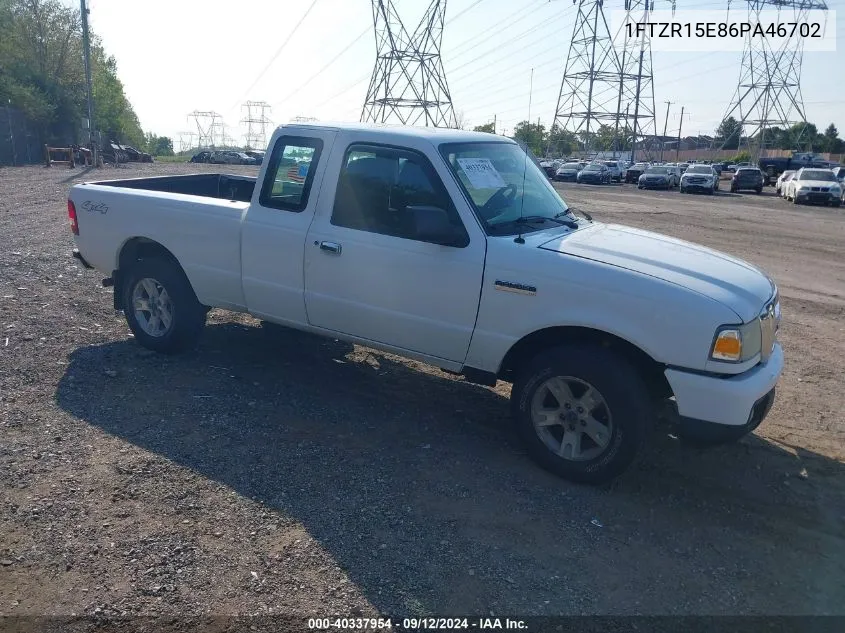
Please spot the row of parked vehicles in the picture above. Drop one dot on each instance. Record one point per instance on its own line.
(813, 186)
(229, 157)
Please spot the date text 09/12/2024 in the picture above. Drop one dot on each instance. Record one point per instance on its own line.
(416, 624)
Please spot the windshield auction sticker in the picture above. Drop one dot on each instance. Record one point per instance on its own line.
(481, 173)
(710, 31)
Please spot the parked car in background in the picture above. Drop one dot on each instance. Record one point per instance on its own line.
(257, 155)
(136, 155)
(615, 169)
(657, 177)
(747, 178)
(683, 167)
(699, 178)
(633, 173)
(595, 174)
(814, 186)
(231, 157)
(202, 157)
(839, 172)
(568, 171)
(784, 178)
(773, 166)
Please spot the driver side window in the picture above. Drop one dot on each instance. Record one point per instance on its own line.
(379, 186)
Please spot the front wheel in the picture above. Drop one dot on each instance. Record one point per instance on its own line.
(582, 412)
(160, 306)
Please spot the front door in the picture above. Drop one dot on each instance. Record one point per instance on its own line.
(369, 276)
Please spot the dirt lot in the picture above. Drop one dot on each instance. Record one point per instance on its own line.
(297, 475)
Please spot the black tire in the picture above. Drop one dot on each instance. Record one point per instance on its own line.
(626, 400)
(188, 314)
(759, 190)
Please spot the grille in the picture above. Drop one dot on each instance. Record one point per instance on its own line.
(769, 328)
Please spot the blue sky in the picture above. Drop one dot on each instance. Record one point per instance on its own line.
(176, 56)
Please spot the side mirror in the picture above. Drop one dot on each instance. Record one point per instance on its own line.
(431, 224)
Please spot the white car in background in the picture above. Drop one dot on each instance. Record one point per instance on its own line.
(780, 184)
(814, 186)
(615, 169)
(701, 178)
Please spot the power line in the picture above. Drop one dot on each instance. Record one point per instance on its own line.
(277, 53)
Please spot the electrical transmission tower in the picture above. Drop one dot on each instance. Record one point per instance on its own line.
(408, 85)
(256, 122)
(636, 81)
(607, 80)
(186, 141)
(208, 126)
(769, 91)
(590, 87)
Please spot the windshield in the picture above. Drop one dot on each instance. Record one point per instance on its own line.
(640, 166)
(572, 166)
(657, 170)
(611, 163)
(817, 174)
(699, 169)
(504, 184)
(593, 168)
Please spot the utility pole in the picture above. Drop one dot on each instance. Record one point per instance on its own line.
(11, 133)
(494, 124)
(86, 49)
(665, 126)
(680, 125)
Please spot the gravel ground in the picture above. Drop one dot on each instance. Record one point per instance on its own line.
(282, 473)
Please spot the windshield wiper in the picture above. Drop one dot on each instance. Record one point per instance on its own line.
(572, 224)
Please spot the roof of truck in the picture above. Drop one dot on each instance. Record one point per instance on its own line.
(434, 134)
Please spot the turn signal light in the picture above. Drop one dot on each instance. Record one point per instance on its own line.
(728, 346)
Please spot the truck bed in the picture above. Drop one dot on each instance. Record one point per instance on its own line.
(222, 186)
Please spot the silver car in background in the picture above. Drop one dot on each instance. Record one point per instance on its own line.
(701, 178)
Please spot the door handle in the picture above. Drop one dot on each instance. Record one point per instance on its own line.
(330, 247)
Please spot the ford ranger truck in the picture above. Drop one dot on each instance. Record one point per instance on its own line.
(451, 248)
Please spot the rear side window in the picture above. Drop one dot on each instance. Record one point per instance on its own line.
(290, 173)
(378, 186)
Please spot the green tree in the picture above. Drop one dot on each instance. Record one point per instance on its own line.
(729, 132)
(490, 128)
(158, 145)
(561, 142)
(804, 136)
(41, 72)
(533, 135)
(832, 142)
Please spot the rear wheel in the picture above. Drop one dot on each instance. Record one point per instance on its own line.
(582, 412)
(160, 306)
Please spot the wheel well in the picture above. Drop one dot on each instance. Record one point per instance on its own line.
(133, 250)
(529, 346)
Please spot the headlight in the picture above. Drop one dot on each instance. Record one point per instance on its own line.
(736, 343)
(834, 189)
(803, 188)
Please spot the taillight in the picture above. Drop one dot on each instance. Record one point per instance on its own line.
(71, 214)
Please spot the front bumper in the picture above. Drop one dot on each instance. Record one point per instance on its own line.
(654, 184)
(816, 197)
(566, 177)
(728, 400)
(697, 186)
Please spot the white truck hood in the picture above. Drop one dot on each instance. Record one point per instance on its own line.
(731, 281)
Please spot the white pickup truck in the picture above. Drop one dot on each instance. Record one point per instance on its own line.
(452, 248)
